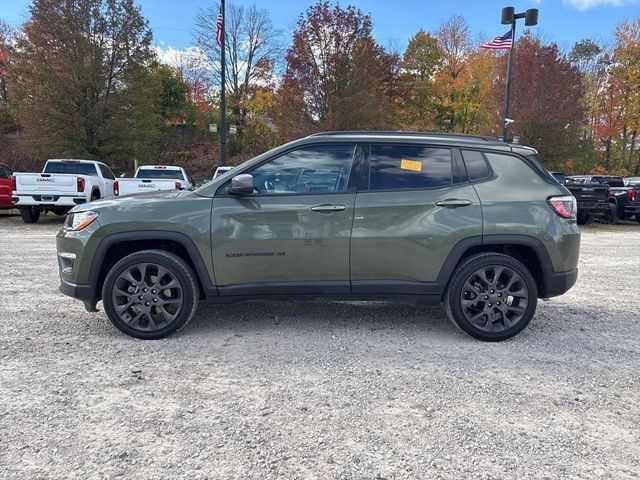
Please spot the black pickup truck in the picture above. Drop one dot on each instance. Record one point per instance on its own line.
(592, 198)
(620, 195)
(632, 209)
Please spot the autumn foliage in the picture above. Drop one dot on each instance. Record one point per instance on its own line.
(580, 108)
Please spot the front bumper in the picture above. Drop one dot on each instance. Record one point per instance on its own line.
(557, 283)
(86, 293)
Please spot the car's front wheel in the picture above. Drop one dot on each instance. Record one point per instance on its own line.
(491, 296)
(150, 294)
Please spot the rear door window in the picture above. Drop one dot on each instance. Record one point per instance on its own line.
(409, 167)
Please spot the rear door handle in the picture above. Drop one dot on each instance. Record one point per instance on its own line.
(454, 203)
(328, 208)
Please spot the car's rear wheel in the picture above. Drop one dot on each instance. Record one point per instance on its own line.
(583, 218)
(611, 214)
(491, 296)
(150, 294)
(30, 214)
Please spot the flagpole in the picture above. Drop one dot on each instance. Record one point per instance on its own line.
(223, 103)
(508, 86)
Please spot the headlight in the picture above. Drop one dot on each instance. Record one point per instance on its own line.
(80, 220)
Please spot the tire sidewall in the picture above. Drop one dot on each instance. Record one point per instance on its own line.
(460, 277)
(177, 267)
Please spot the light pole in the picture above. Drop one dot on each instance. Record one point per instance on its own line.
(509, 17)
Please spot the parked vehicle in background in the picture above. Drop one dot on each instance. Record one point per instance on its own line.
(6, 187)
(619, 194)
(559, 176)
(62, 185)
(473, 222)
(592, 199)
(221, 171)
(152, 178)
(632, 208)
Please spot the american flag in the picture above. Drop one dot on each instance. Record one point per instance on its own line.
(219, 29)
(500, 43)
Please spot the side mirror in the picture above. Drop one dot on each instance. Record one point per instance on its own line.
(123, 175)
(242, 184)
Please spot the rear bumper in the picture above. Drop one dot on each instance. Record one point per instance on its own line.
(558, 283)
(47, 201)
(632, 209)
(592, 208)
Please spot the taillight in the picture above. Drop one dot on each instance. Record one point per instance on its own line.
(80, 184)
(116, 188)
(178, 185)
(14, 183)
(631, 195)
(565, 206)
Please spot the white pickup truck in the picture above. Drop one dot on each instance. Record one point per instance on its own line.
(62, 185)
(150, 178)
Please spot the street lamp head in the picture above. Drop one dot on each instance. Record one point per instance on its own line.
(507, 15)
(531, 17)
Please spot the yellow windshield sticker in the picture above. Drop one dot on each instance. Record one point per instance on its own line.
(414, 165)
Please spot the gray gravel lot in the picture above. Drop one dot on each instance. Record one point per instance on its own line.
(319, 390)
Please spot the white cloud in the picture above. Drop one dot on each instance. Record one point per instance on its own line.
(583, 5)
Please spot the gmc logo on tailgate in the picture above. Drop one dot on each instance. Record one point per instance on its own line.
(45, 180)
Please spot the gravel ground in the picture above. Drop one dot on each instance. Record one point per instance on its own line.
(319, 390)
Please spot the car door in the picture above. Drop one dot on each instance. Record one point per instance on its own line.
(109, 179)
(414, 205)
(5, 187)
(291, 236)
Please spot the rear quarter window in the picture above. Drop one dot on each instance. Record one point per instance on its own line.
(408, 167)
(476, 163)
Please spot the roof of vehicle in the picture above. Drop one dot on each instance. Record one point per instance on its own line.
(72, 160)
(434, 137)
(160, 167)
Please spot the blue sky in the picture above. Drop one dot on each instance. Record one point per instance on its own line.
(562, 21)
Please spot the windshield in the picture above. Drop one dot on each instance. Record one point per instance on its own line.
(73, 168)
(159, 173)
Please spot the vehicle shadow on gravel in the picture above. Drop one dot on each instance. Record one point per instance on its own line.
(321, 316)
(552, 322)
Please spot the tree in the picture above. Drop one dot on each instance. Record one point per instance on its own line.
(79, 80)
(421, 61)
(253, 48)
(336, 72)
(627, 72)
(454, 40)
(547, 99)
(6, 36)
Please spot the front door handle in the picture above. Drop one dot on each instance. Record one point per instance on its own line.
(328, 208)
(454, 203)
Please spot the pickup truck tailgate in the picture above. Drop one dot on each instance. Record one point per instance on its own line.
(51, 183)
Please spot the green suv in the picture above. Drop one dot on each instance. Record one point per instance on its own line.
(422, 218)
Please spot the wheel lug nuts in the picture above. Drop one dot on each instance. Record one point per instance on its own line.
(141, 297)
(153, 291)
(144, 290)
(146, 304)
(486, 297)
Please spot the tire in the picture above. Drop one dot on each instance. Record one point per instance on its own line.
(30, 214)
(508, 318)
(582, 218)
(94, 196)
(148, 318)
(611, 215)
